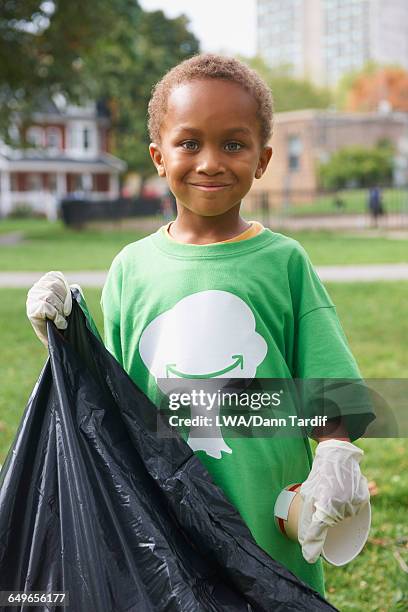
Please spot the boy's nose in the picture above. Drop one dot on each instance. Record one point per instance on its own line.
(210, 164)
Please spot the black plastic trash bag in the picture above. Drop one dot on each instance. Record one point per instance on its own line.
(94, 503)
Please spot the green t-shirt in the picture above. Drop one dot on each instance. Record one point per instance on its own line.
(252, 308)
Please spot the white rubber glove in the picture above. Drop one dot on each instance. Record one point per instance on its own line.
(334, 490)
(49, 298)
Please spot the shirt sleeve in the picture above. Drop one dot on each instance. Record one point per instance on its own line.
(331, 383)
(111, 308)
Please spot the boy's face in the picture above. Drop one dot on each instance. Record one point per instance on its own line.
(210, 148)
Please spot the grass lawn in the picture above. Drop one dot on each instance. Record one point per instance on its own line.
(49, 246)
(332, 248)
(375, 321)
(52, 246)
(22, 225)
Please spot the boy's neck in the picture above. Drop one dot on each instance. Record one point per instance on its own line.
(191, 228)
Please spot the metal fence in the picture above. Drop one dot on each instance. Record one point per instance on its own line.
(77, 212)
(347, 208)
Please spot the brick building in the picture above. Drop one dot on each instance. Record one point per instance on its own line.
(67, 154)
(304, 138)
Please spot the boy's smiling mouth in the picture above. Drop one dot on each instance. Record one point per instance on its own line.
(210, 186)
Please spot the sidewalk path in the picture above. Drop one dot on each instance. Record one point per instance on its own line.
(364, 273)
(341, 274)
(88, 278)
(338, 222)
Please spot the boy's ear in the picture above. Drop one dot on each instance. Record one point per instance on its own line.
(157, 157)
(263, 162)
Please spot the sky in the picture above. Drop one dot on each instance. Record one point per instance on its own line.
(220, 25)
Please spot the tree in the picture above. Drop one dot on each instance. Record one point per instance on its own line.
(43, 45)
(373, 86)
(358, 166)
(289, 92)
(126, 65)
(109, 50)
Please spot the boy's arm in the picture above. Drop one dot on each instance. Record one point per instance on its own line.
(335, 488)
(335, 428)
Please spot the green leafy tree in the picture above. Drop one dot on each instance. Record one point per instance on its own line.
(358, 166)
(126, 65)
(43, 45)
(109, 50)
(290, 93)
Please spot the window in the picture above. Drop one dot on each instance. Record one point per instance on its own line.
(294, 152)
(86, 139)
(101, 182)
(34, 182)
(54, 140)
(35, 136)
(75, 183)
(81, 137)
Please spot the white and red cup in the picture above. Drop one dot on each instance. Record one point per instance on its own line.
(344, 541)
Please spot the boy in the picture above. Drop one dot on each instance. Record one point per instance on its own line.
(210, 287)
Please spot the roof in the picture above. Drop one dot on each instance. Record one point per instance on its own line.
(58, 109)
(51, 158)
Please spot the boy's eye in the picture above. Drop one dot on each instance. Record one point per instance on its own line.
(190, 145)
(233, 146)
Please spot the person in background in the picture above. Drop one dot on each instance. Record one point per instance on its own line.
(375, 204)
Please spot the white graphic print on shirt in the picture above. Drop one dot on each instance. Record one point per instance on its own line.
(206, 335)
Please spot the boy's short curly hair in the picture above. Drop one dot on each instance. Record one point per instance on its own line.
(211, 66)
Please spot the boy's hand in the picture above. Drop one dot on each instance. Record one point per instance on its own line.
(334, 489)
(49, 298)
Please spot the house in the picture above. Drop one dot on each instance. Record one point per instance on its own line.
(67, 155)
(303, 139)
